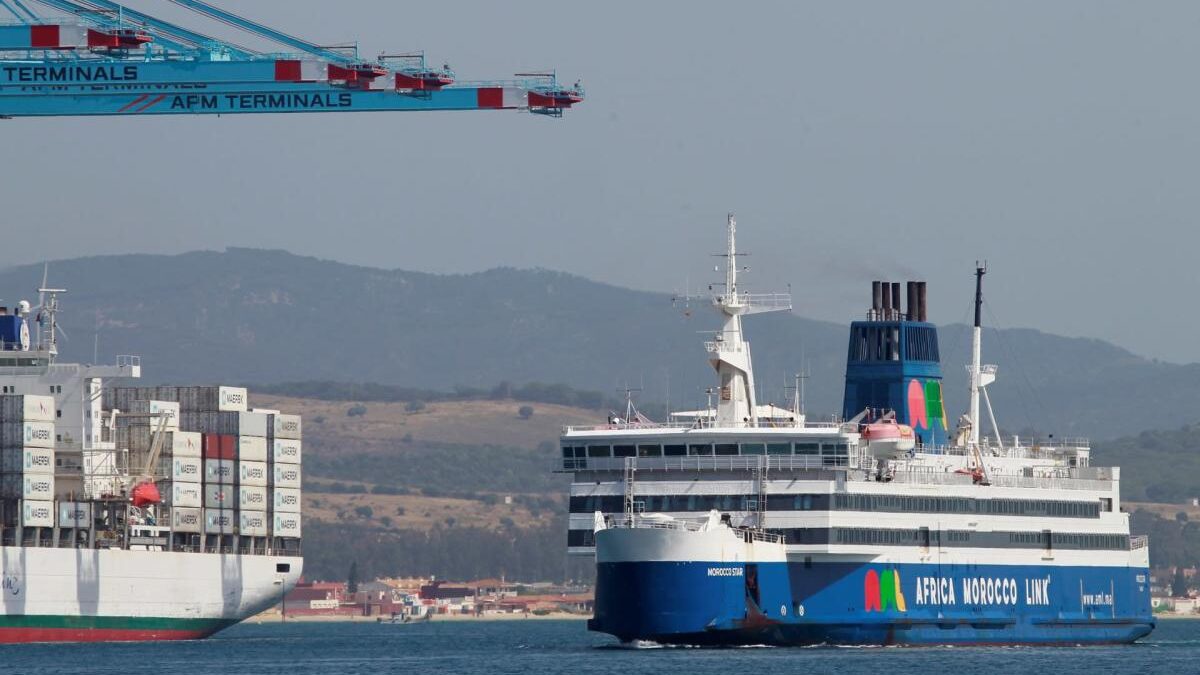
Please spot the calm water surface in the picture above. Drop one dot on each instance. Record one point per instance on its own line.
(501, 647)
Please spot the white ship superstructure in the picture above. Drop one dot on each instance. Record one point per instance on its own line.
(877, 527)
(135, 512)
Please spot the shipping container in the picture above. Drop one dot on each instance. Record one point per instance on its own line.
(252, 473)
(252, 498)
(186, 469)
(74, 514)
(286, 525)
(213, 399)
(185, 444)
(223, 471)
(285, 450)
(285, 500)
(26, 408)
(220, 521)
(27, 460)
(232, 423)
(219, 446)
(252, 524)
(285, 426)
(164, 409)
(252, 448)
(186, 519)
(27, 435)
(217, 496)
(187, 495)
(37, 513)
(27, 486)
(285, 476)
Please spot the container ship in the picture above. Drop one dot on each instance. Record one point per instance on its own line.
(135, 513)
(746, 523)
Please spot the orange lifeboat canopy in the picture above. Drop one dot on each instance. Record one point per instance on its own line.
(145, 494)
(889, 439)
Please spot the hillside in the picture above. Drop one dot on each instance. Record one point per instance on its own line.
(257, 317)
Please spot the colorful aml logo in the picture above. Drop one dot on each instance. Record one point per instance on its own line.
(882, 592)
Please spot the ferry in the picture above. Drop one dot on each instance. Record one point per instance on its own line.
(134, 513)
(748, 524)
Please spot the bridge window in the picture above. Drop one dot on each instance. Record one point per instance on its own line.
(779, 448)
(753, 448)
(649, 451)
(599, 451)
(700, 449)
(624, 451)
(674, 450)
(726, 448)
(808, 448)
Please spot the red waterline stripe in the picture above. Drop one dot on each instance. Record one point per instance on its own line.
(134, 102)
(20, 635)
(151, 103)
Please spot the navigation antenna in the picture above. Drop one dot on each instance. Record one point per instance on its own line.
(980, 376)
(729, 352)
(47, 313)
(797, 390)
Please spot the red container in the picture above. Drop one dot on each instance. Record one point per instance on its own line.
(219, 446)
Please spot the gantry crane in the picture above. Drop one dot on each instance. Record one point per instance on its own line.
(107, 59)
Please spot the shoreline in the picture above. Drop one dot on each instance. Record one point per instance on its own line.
(273, 617)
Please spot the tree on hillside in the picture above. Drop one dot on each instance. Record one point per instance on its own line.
(414, 406)
(1179, 587)
(525, 411)
(352, 578)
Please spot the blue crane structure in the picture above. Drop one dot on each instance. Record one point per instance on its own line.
(103, 58)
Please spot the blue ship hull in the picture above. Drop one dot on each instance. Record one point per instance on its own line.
(856, 603)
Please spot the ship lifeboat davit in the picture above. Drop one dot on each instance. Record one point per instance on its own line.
(424, 79)
(889, 440)
(145, 494)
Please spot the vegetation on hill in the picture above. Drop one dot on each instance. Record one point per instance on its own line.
(1156, 466)
(244, 315)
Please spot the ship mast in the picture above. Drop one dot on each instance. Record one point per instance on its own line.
(976, 356)
(729, 352)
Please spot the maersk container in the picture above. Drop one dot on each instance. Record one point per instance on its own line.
(27, 435)
(232, 423)
(252, 498)
(37, 513)
(220, 521)
(285, 450)
(187, 520)
(252, 448)
(252, 523)
(74, 514)
(27, 460)
(285, 426)
(26, 408)
(285, 500)
(213, 399)
(286, 525)
(187, 495)
(187, 469)
(27, 486)
(223, 471)
(252, 473)
(218, 496)
(285, 475)
(167, 409)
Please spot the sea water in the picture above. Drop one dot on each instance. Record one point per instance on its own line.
(541, 646)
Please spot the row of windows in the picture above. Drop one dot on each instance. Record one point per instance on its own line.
(825, 449)
(842, 502)
(924, 537)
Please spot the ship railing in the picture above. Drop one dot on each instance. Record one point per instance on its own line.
(698, 423)
(641, 522)
(1003, 480)
(129, 360)
(709, 463)
(1138, 541)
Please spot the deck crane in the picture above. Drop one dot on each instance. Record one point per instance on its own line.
(106, 59)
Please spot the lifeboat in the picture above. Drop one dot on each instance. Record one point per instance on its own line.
(887, 439)
(145, 494)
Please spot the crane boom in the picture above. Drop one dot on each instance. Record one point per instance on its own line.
(259, 29)
(106, 59)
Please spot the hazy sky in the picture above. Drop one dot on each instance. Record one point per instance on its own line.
(1060, 140)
